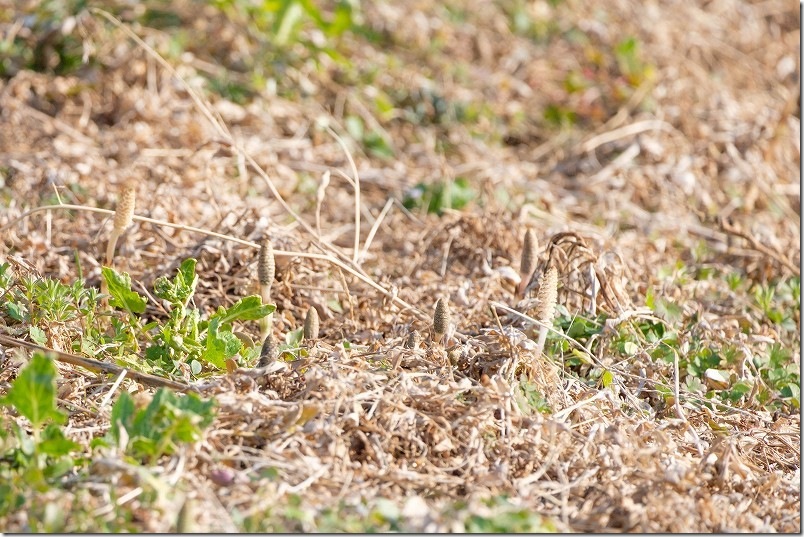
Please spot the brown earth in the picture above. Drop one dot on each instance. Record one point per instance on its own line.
(686, 160)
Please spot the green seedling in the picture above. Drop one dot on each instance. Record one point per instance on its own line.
(158, 429)
(188, 338)
(439, 196)
(33, 462)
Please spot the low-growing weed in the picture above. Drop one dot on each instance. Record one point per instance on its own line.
(186, 337)
(167, 421)
(437, 197)
(33, 462)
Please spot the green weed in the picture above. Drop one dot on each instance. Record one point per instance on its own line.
(372, 141)
(530, 399)
(186, 337)
(33, 462)
(437, 197)
(148, 433)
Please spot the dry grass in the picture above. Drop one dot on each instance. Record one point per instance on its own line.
(696, 168)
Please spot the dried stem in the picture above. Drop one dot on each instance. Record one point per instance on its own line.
(323, 257)
(97, 365)
(227, 138)
(320, 195)
(340, 141)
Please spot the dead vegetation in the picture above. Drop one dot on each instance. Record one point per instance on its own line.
(690, 168)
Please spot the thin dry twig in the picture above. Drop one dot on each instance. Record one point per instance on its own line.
(732, 229)
(96, 365)
(358, 274)
(375, 227)
(356, 183)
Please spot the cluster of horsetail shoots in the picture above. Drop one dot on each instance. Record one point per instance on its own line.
(548, 296)
(311, 324)
(527, 263)
(441, 319)
(266, 269)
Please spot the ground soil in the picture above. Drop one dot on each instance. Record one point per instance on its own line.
(685, 161)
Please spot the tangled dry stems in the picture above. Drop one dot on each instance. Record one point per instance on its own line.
(341, 422)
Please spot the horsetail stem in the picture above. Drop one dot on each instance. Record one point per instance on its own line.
(311, 324)
(123, 215)
(548, 296)
(527, 262)
(441, 319)
(412, 342)
(266, 269)
(268, 352)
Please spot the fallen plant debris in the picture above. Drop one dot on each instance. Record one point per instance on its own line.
(499, 267)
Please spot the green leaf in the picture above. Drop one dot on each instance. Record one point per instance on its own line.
(650, 299)
(630, 348)
(668, 310)
(16, 311)
(249, 308)
(335, 305)
(294, 337)
(122, 415)
(119, 285)
(37, 335)
(167, 420)
(607, 378)
(377, 145)
(354, 126)
(58, 468)
(55, 444)
(33, 393)
(181, 289)
(440, 195)
(220, 345)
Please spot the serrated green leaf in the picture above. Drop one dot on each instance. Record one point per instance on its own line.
(249, 308)
(37, 335)
(119, 285)
(167, 420)
(179, 290)
(33, 393)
